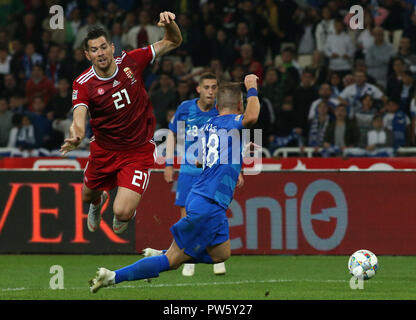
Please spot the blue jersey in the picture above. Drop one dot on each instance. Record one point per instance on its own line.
(193, 118)
(221, 144)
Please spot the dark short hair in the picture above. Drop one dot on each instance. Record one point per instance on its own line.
(206, 75)
(94, 33)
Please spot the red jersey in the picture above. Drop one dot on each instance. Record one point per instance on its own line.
(121, 112)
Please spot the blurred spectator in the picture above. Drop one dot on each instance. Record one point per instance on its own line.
(23, 136)
(46, 43)
(144, 33)
(248, 62)
(306, 43)
(352, 94)
(318, 125)
(378, 56)
(324, 96)
(5, 61)
(223, 48)
(79, 64)
(340, 50)
(413, 116)
(290, 70)
(229, 15)
(16, 125)
(61, 103)
(43, 125)
(39, 84)
(241, 36)
(5, 122)
(406, 54)
(348, 80)
(398, 122)
(403, 91)
(17, 104)
(394, 20)
(91, 22)
(4, 39)
(75, 21)
(364, 117)
(303, 96)
(410, 32)
(270, 11)
(365, 38)
(29, 30)
(10, 10)
(17, 58)
(320, 67)
(342, 133)
(11, 87)
(273, 88)
(53, 65)
(324, 29)
(115, 38)
(183, 92)
(335, 83)
(217, 68)
(379, 138)
(359, 65)
(237, 73)
(112, 15)
(285, 132)
(30, 58)
(191, 38)
(207, 45)
(163, 99)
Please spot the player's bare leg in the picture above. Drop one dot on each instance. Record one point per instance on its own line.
(124, 208)
(96, 199)
(220, 252)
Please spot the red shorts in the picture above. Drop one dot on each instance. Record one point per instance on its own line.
(107, 169)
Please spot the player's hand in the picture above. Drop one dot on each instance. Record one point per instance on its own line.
(168, 174)
(240, 181)
(250, 81)
(165, 18)
(69, 145)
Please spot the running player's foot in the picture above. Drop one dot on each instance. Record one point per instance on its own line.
(219, 268)
(103, 278)
(94, 213)
(120, 226)
(188, 269)
(149, 252)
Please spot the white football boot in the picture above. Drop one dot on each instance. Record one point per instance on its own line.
(149, 252)
(188, 269)
(94, 213)
(103, 278)
(219, 268)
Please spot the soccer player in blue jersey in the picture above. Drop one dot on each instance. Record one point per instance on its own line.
(189, 117)
(202, 236)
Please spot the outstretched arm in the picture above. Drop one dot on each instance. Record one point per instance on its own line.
(172, 38)
(253, 105)
(76, 131)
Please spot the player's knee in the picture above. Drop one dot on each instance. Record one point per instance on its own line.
(221, 257)
(122, 213)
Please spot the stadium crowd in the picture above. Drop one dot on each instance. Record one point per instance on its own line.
(322, 84)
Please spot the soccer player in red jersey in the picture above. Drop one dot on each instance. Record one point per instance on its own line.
(121, 117)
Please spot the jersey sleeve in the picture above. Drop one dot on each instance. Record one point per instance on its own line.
(143, 56)
(79, 96)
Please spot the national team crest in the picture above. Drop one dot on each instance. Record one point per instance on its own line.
(74, 94)
(129, 74)
(100, 91)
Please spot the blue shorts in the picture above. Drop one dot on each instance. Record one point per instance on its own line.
(205, 225)
(183, 187)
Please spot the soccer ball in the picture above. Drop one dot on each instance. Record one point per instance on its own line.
(363, 264)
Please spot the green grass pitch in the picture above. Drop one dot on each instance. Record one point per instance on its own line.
(247, 278)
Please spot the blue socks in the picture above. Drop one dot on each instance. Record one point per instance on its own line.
(145, 268)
